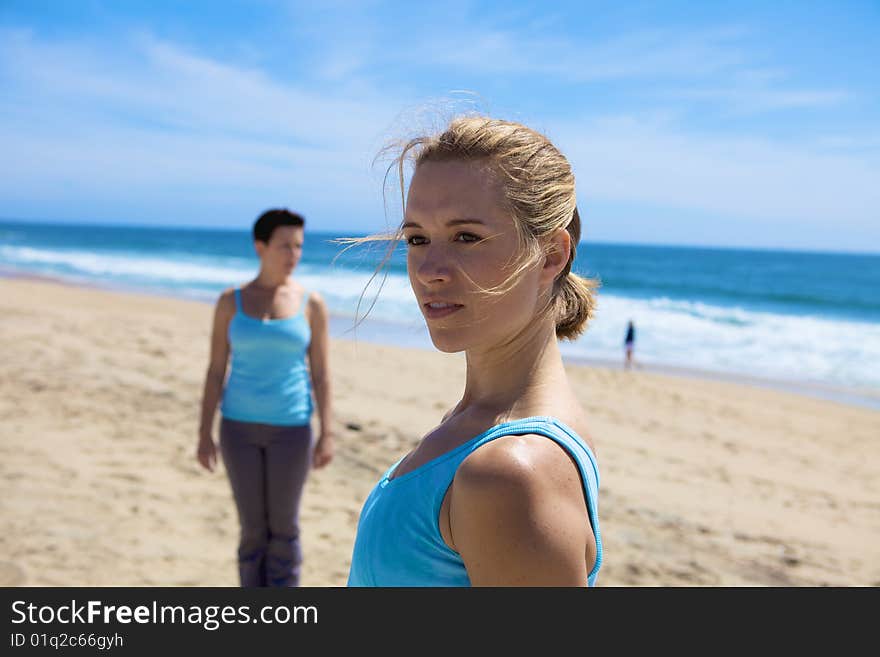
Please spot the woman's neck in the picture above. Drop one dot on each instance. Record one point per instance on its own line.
(518, 378)
(270, 281)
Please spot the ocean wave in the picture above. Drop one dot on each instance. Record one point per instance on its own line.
(129, 265)
(734, 316)
(703, 336)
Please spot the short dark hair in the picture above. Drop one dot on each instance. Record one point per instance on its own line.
(267, 222)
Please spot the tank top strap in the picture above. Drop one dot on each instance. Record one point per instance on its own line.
(549, 427)
(238, 300)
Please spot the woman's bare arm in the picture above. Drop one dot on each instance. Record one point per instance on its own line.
(319, 369)
(206, 451)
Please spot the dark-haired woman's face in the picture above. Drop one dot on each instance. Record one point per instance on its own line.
(282, 253)
(461, 241)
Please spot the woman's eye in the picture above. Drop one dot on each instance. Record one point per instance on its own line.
(467, 237)
(416, 240)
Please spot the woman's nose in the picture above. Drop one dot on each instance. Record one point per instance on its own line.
(434, 266)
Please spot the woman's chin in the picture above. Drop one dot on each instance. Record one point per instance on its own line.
(446, 343)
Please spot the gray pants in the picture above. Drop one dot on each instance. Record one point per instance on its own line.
(267, 467)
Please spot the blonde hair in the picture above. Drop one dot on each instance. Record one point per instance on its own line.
(539, 189)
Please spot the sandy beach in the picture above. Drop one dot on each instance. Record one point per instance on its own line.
(703, 482)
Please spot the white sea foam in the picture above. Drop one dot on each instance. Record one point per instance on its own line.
(184, 270)
(352, 293)
(716, 338)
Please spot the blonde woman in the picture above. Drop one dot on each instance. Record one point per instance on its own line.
(504, 490)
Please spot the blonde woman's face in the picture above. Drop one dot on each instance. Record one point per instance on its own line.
(461, 240)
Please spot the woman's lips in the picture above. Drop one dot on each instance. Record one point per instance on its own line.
(438, 309)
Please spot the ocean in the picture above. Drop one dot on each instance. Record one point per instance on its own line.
(810, 321)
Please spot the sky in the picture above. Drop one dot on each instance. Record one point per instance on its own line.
(732, 124)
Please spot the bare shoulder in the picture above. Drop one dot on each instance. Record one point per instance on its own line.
(517, 515)
(225, 305)
(316, 302)
(519, 467)
(316, 311)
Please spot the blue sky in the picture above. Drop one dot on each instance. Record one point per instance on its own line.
(724, 123)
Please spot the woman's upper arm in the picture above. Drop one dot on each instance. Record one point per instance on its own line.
(518, 515)
(223, 312)
(318, 323)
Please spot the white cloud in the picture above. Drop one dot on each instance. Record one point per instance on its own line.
(156, 119)
(693, 60)
(751, 98)
(628, 160)
(158, 81)
(642, 54)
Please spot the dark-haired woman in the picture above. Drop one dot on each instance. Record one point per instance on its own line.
(272, 336)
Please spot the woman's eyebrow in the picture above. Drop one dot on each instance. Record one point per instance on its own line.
(451, 222)
(458, 222)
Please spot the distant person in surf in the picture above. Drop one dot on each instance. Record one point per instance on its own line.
(629, 344)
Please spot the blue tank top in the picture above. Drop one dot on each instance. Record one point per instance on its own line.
(268, 379)
(398, 540)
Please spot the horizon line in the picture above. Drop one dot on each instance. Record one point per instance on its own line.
(584, 242)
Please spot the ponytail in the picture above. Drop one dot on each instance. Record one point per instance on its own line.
(574, 296)
(574, 303)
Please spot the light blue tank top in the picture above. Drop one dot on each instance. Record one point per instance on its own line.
(268, 380)
(398, 540)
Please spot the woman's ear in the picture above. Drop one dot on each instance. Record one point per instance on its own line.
(557, 255)
(259, 247)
